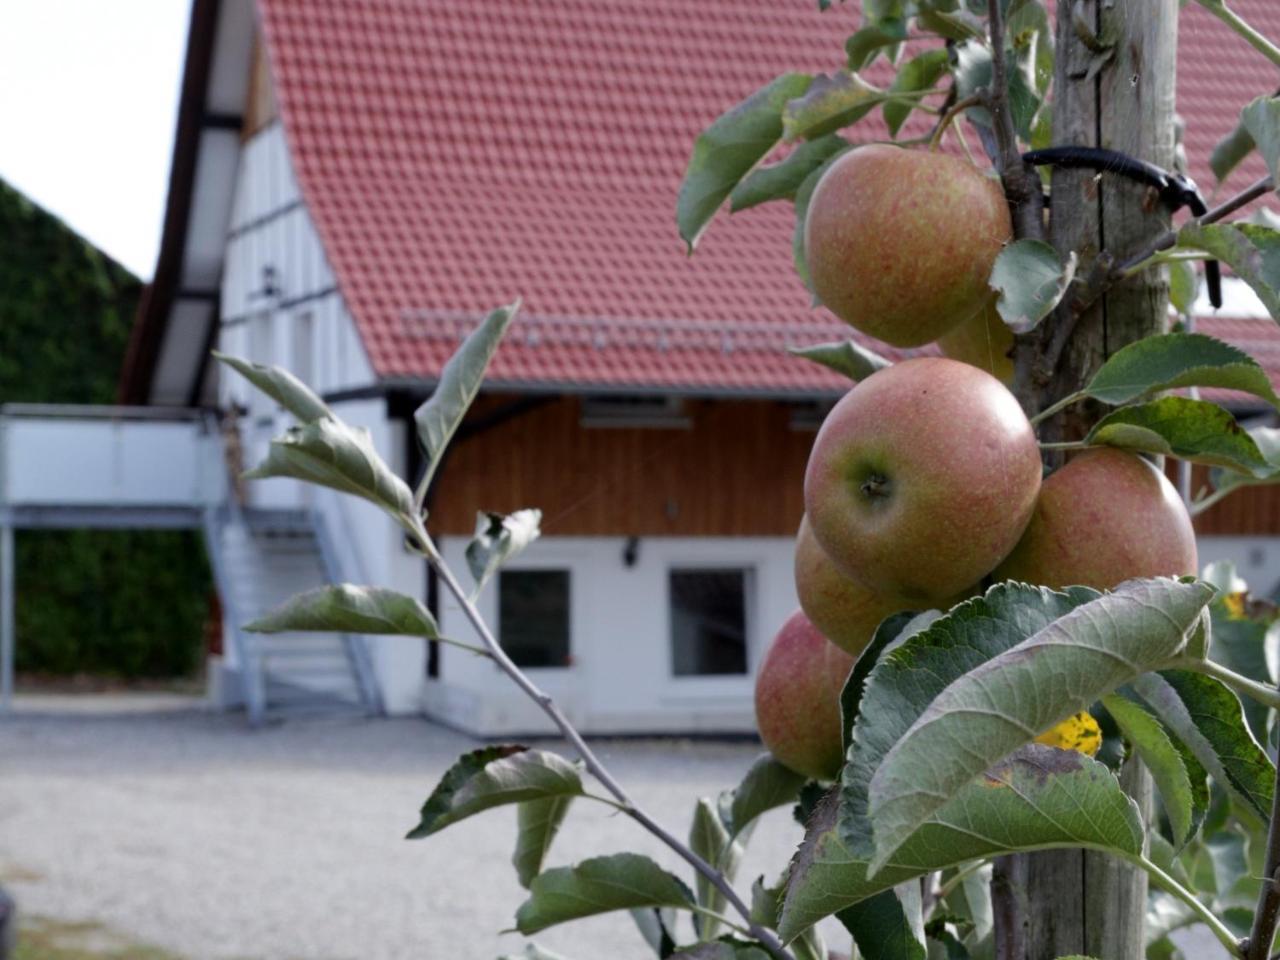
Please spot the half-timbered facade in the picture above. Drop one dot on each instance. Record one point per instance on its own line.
(355, 185)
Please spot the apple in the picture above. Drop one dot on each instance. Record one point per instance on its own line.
(843, 610)
(798, 699)
(922, 479)
(899, 243)
(1106, 517)
(983, 341)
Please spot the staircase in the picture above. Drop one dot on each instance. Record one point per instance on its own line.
(260, 559)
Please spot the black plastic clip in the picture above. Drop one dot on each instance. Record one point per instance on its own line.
(1176, 190)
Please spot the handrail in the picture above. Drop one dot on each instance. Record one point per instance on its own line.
(79, 411)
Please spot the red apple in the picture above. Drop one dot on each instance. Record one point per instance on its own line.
(900, 243)
(798, 699)
(922, 479)
(843, 610)
(983, 341)
(1106, 517)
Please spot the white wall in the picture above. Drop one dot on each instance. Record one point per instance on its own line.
(621, 678)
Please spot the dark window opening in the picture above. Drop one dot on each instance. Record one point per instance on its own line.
(533, 616)
(708, 622)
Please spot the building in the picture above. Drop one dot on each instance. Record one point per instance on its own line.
(355, 184)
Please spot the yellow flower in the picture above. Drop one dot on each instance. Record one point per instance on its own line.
(1079, 732)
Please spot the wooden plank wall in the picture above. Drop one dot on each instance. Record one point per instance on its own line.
(738, 471)
(1248, 511)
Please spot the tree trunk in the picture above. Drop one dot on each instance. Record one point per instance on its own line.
(1079, 902)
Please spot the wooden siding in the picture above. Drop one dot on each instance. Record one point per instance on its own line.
(737, 471)
(260, 105)
(1247, 511)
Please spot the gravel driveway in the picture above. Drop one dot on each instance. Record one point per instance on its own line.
(181, 828)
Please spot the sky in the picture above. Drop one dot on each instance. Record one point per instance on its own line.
(88, 102)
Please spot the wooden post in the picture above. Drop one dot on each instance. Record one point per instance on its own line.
(1114, 88)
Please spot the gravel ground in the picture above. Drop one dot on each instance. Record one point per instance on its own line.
(179, 827)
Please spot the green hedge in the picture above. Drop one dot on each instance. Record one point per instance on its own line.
(120, 603)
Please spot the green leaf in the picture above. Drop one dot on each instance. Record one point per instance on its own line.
(899, 625)
(767, 785)
(710, 839)
(622, 881)
(888, 925)
(1261, 119)
(726, 948)
(1194, 430)
(1007, 701)
(919, 73)
(863, 46)
(346, 608)
(973, 72)
(959, 25)
(438, 419)
(1171, 360)
(727, 151)
(497, 540)
(281, 386)
(847, 357)
(1230, 151)
(1184, 286)
(1251, 251)
(1242, 633)
(1207, 716)
(537, 823)
(803, 195)
(1037, 798)
(1163, 760)
(830, 103)
(332, 454)
(656, 925)
(780, 181)
(1030, 280)
(1268, 442)
(493, 776)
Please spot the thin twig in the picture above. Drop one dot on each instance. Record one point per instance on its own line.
(1206, 916)
(1237, 23)
(1021, 182)
(628, 806)
(1267, 913)
(949, 117)
(1058, 407)
(1170, 237)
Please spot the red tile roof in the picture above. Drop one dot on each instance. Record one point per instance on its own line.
(456, 155)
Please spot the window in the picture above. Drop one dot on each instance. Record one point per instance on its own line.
(533, 616)
(708, 622)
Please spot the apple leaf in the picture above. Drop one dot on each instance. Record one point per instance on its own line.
(346, 608)
(895, 629)
(332, 454)
(1230, 151)
(729, 149)
(766, 785)
(889, 925)
(803, 196)
(1036, 798)
(1251, 251)
(1184, 286)
(537, 823)
(1162, 758)
(973, 72)
(726, 948)
(1194, 430)
(866, 44)
(919, 73)
(1261, 119)
(843, 356)
(1171, 360)
(621, 881)
(780, 181)
(1207, 716)
(957, 25)
(493, 776)
(656, 925)
(830, 103)
(710, 839)
(281, 386)
(1030, 279)
(438, 419)
(1246, 633)
(906, 676)
(1017, 695)
(497, 539)
(1268, 442)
